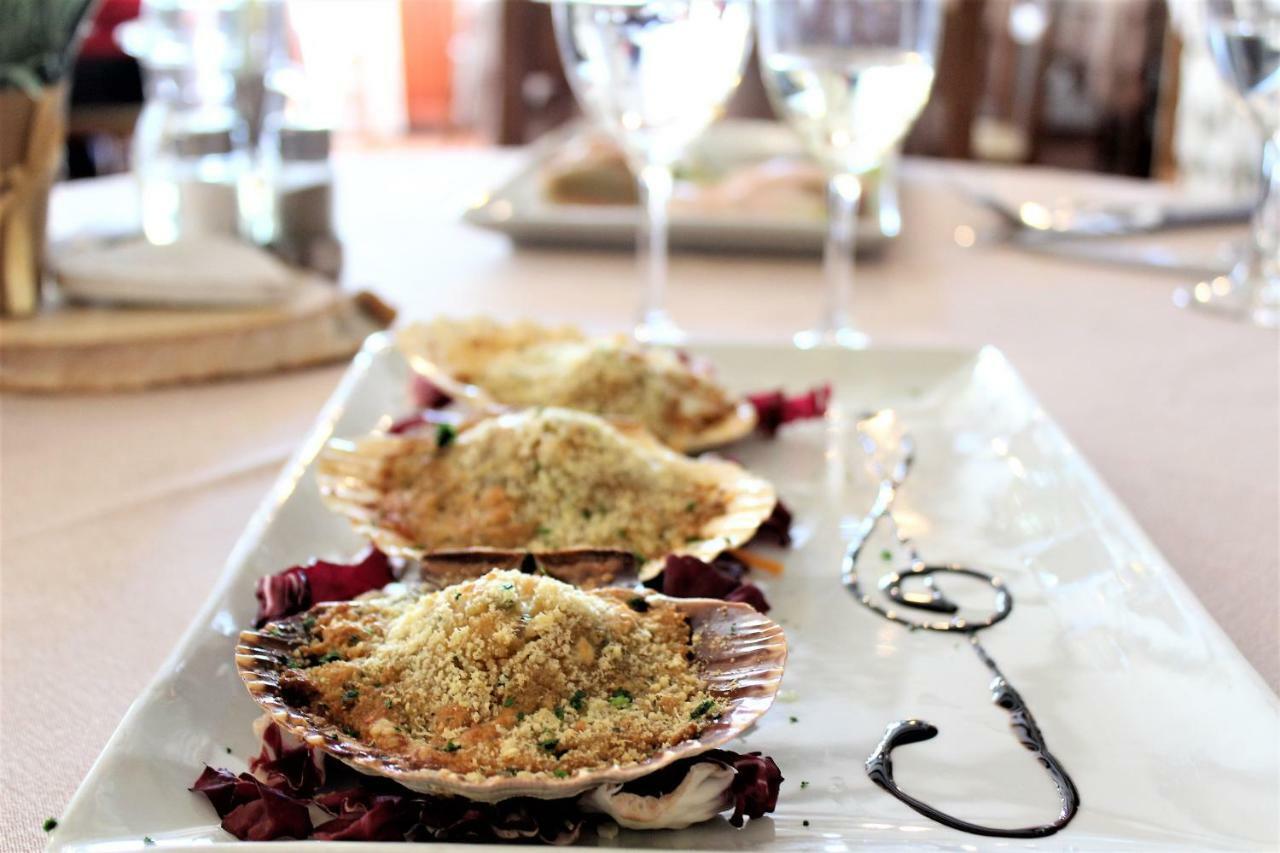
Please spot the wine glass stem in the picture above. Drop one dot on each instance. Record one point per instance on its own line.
(843, 193)
(1266, 216)
(655, 193)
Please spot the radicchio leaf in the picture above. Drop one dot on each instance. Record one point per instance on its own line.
(754, 789)
(296, 589)
(684, 576)
(775, 408)
(428, 399)
(377, 810)
(383, 818)
(424, 418)
(366, 808)
(251, 810)
(775, 528)
(286, 763)
(427, 395)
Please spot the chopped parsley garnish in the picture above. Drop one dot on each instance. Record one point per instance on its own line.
(586, 515)
(578, 700)
(560, 774)
(543, 530)
(549, 745)
(228, 749)
(457, 595)
(50, 824)
(804, 823)
(559, 712)
(508, 702)
(308, 623)
(703, 707)
(620, 699)
(350, 732)
(450, 747)
(638, 604)
(794, 719)
(803, 785)
(690, 506)
(445, 435)
(352, 640)
(147, 841)
(886, 555)
(509, 586)
(331, 657)
(519, 716)
(511, 771)
(387, 703)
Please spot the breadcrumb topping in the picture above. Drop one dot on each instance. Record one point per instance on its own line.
(509, 673)
(609, 377)
(547, 479)
(523, 364)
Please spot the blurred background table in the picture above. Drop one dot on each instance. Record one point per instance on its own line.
(119, 510)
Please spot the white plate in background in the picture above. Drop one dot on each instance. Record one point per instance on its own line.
(1167, 731)
(520, 209)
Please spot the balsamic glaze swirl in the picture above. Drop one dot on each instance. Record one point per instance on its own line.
(880, 763)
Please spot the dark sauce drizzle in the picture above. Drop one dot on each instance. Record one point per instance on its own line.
(932, 600)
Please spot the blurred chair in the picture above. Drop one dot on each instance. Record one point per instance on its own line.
(945, 129)
(534, 94)
(106, 96)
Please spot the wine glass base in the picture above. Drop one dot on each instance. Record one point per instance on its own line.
(658, 329)
(846, 338)
(1255, 301)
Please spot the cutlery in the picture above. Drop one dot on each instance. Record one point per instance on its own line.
(1091, 220)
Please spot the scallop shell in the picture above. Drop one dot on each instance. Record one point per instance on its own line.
(351, 476)
(741, 654)
(442, 361)
(583, 568)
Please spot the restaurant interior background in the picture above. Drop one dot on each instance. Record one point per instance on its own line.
(1110, 86)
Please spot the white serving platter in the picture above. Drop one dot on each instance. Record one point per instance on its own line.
(520, 209)
(1167, 731)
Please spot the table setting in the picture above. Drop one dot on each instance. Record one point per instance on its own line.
(675, 481)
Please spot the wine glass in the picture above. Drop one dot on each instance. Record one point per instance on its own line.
(653, 74)
(850, 76)
(1244, 40)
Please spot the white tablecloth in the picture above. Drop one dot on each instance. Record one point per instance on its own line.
(118, 511)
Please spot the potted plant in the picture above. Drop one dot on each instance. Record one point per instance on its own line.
(37, 48)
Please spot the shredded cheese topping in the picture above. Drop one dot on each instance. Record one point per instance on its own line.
(510, 673)
(547, 479)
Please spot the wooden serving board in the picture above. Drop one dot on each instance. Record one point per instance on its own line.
(80, 348)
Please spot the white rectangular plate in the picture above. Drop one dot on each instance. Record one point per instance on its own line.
(520, 209)
(1168, 733)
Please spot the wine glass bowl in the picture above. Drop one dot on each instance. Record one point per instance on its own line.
(653, 74)
(850, 77)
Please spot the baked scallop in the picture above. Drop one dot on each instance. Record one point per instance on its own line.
(488, 364)
(541, 481)
(515, 684)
